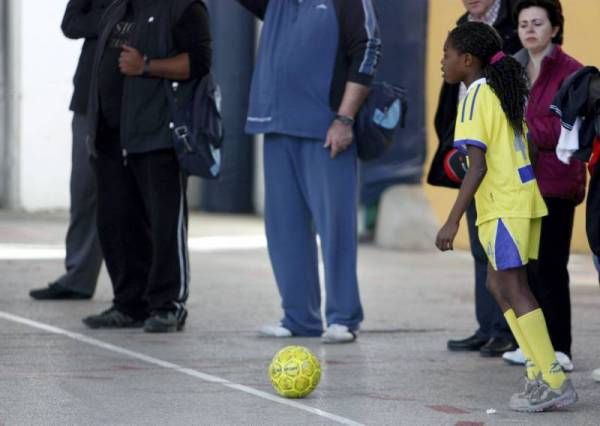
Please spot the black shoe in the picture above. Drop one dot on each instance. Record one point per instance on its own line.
(496, 346)
(55, 291)
(165, 321)
(473, 343)
(112, 318)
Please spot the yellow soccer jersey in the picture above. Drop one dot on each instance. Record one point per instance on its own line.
(509, 188)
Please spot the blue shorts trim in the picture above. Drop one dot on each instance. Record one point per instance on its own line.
(507, 252)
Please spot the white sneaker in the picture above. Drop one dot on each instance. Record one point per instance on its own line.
(564, 361)
(337, 333)
(596, 374)
(274, 330)
(514, 357)
(517, 358)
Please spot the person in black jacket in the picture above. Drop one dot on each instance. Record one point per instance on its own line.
(84, 256)
(142, 208)
(493, 337)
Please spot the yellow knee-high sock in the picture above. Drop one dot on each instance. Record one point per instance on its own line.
(533, 327)
(530, 363)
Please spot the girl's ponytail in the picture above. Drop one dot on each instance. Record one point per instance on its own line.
(507, 79)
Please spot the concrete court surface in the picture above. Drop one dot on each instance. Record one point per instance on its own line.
(55, 371)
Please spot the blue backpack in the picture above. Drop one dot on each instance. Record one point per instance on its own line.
(197, 128)
(379, 117)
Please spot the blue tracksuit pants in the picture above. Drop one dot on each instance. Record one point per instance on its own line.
(308, 193)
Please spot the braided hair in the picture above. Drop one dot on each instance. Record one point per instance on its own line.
(506, 77)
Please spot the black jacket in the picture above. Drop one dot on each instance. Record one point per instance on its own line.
(145, 115)
(572, 101)
(82, 20)
(592, 221)
(445, 115)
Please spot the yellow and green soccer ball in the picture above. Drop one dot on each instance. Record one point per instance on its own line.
(294, 372)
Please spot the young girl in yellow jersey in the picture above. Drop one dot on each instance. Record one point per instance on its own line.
(490, 127)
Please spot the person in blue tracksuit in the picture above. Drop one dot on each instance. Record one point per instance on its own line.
(315, 64)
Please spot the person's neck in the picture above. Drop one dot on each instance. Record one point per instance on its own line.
(536, 57)
(480, 18)
(472, 78)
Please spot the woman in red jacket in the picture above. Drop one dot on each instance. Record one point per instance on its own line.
(540, 25)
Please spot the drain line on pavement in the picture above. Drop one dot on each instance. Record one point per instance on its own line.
(170, 366)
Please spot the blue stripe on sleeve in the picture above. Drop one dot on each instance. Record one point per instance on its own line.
(473, 102)
(462, 117)
(461, 144)
(526, 173)
(371, 58)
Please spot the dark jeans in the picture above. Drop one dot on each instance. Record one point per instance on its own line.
(142, 225)
(549, 277)
(489, 316)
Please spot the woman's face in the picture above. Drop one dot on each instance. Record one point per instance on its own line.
(535, 29)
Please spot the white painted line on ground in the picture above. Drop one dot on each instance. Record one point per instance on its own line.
(9, 251)
(31, 251)
(170, 366)
(231, 242)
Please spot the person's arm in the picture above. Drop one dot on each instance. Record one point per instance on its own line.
(362, 47)
(360, 39)
(192, 38)
(475, 174)
(340, 134)
(257, 7)
(132, 64)
(82, 18)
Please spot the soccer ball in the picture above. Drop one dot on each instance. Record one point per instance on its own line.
(294, 372)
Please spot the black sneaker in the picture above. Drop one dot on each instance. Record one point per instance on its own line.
(165, 321)
(112, 318)
(55, 291)
(471, 343)
(496, 346)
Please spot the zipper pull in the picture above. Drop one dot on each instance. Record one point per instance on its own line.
(124, 152)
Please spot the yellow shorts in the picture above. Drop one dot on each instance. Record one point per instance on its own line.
(510, 242)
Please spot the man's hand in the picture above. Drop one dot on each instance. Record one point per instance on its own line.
(131, 61)
(445, 237)
(339, 137)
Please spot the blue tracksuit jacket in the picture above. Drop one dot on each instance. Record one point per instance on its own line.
(309, 49)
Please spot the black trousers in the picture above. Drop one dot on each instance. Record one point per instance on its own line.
(142, 226)
(548, 276)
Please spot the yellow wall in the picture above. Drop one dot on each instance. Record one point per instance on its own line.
(581, 34)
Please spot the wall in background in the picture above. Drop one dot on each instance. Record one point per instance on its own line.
(581, 31)
(42, 88)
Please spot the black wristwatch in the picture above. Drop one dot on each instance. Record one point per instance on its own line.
(345, 120)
